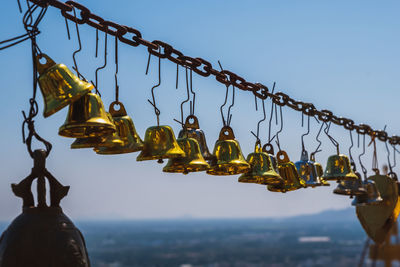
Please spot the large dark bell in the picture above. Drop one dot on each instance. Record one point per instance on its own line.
(42, 237)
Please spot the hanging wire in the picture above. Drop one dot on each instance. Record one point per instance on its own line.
(148, 64)
(116, 71)
(79, 47)
(305, 134)
(375, 164)
(185, 100)
(257, 136)
(229, 116)
(319, 142)
(364, 170)
(67, 27)
(334, 142)
(352, 163)
(105, 61)
(193, 102)
(225, 101)
(271, 116)
(177, 76)
(153, 103)
(280, 130)
(97, 43)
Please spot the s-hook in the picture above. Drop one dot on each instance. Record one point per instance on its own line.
(153, 103)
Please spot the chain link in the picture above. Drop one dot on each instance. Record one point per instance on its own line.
(205, 68)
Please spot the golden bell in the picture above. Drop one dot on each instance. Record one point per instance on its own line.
(160, 143)
(269, 149)
(192, 162)
(229, 159)
(87, 118)
(59, 86)
(351, 188)
(338, 168)
(191, 129)
(127, 135)
(288, 171)
(261, 170)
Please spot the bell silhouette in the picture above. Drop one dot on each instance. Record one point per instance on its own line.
(307, 171)
(191, 129)
(229, 159)
(128, 139)
(42, 235)
(192, 162)
(261, 169)
(338, 168)
(319, 171)
(351, 187)
(59, 86)
(87, 118)
(288, 171)
(160, 143)
(372, 196)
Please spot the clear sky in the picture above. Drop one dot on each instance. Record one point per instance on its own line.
(341, 55)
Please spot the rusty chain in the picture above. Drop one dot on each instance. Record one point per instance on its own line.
(133, 37)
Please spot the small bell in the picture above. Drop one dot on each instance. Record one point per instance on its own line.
(371, 197)
(191, 129)
(319, 171)
(351, 188)
(160, 143)
(306, 170)
(59, 86)
(229, 159)
(338, 168)
(129, 140)
(261, 171)
(269, 149)
(87, 118)
(288, 171)
(192, 162)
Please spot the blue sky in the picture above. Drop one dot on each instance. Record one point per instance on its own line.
(340, 55)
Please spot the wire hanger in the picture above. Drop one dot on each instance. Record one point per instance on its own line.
(153, 103)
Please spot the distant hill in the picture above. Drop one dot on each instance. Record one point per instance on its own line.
(343, 215)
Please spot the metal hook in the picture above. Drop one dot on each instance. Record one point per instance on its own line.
(148, 64)
(192, 103)
(259, 122)
(305, 134)
(80, 46)
(226, 99)
(97, 43)
(105, 61)
(188, 95)
(334, 142)
(312, 155)
(156, 110)
(375, 164)
(177, 76)
(233, 103)
(364, 170)
(116, 71)
(280, 130)
(271, 116)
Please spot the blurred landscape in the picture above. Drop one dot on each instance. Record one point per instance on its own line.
(330, 238)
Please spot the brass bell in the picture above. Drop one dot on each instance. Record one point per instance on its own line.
(371, 197)
(261, 170)
(338, 168)
(191, 129)
(319, 171)
(192, 162)
(269, 149)
(160, 143)
(59, 86)
(87, 118)
(288, 171)
(351, 187)
(229, 159)
(306, 170)
(128, 139)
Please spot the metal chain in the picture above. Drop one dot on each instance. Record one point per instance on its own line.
(204, 68)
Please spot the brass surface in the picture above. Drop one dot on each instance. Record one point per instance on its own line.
(229, 159)
(350, 187)
(160, 143)
(307, 171)
(338, 168)
(87, 142)
(87, 118)
(59, 86)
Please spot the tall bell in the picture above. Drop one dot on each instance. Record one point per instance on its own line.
(269, 149)
(307, 171)
(193, 161)
(371, 197)
(261, 169)
(128, 137)
(338, 168)
(351, 188)
(229, 159)
(42, 235)
(319, 171)
(288, 171)
(191, 129)
(87, 118)
(160, 143)
(59, 86)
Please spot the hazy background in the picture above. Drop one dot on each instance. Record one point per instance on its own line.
(341, 55)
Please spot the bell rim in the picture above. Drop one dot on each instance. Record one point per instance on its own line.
(115, 150)
(68, 130)
(220, 170)
(197, 168)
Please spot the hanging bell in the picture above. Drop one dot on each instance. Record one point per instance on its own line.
(160, 143)
(129, 140)
(261, 170)
(338, 168)
(319, 171)
(269, 149)
(229, 159)
(192, 162)
(351, 188)
(371, 197)
(87, 118)
(42, 235)
(59, 86)
(191, 129)
(306, 170)
(288, 171)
